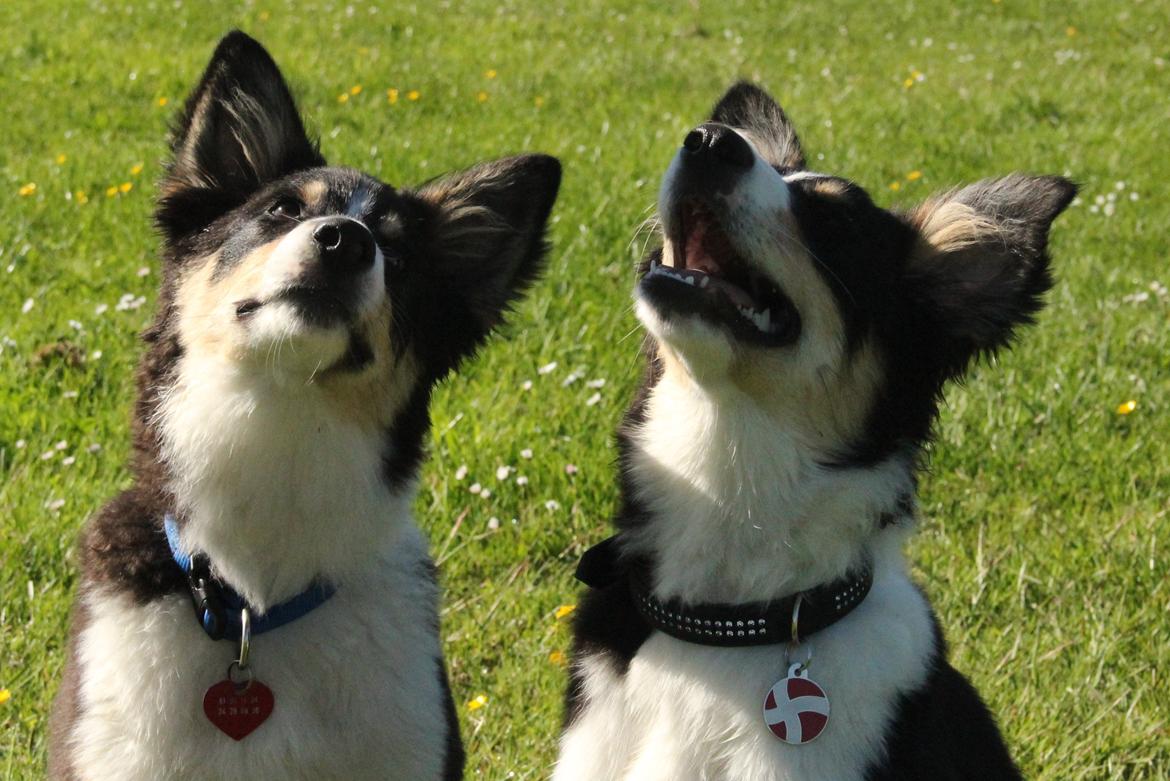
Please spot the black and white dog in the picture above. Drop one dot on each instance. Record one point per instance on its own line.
(754, 617)
(305, 315)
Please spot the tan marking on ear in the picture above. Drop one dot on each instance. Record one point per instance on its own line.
(313, 193)
(830, 188)
(946, 225)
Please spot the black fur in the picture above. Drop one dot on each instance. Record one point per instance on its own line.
(944, 732)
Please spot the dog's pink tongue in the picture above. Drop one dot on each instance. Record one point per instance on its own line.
(700, 258)
(736, 294)
(695, 253)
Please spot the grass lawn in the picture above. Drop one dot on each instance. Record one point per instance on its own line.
(1045, 530)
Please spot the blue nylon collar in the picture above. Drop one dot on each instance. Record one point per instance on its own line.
(218, 606)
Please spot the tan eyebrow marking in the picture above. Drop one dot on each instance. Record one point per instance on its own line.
(313, 192)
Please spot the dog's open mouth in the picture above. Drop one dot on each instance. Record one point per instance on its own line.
(709, 278)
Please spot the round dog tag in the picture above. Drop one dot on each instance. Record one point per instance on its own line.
(796, 709)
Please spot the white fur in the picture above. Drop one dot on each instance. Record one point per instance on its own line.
(278, 483)
(356, 685)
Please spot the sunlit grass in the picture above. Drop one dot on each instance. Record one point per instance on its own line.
(1044, 540)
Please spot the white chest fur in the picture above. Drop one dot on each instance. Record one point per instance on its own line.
(685, 712)
(356, 684)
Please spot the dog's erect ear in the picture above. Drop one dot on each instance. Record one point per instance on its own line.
(980, 267)
(489, 239)
(239, 130)
(749, 108)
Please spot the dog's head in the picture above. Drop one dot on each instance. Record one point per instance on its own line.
(795, 290)
(284, 273)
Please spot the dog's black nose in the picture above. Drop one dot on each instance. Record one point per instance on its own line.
(715, 142)
(346, 245)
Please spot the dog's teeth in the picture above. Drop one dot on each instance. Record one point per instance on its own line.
(703, 282)
(766, 320)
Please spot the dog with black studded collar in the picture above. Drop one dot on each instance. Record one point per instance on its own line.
(754, 617)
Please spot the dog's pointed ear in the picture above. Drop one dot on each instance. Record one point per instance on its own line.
(240, 129)
(980, 266)
(747, 107)
(488, 239)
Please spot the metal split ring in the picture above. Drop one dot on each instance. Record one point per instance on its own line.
(241, 677)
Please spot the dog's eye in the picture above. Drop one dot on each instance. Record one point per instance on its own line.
(287, 208)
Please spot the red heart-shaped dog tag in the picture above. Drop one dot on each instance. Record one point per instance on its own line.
(238, 710)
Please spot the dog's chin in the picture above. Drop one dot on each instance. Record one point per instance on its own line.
(704, 349)
(281, 339)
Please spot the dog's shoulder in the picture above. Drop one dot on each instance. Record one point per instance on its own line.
(123, 548)
(606, 623)
(944, 732)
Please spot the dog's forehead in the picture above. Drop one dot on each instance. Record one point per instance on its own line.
(342, 191)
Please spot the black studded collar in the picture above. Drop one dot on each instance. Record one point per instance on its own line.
(783, 620)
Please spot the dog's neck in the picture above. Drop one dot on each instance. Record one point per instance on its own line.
(738, 506)
(275, 484)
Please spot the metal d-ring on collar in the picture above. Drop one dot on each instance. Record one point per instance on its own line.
(795, 631)
(238, 672)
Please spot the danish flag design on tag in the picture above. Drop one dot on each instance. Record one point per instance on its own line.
(796, 709)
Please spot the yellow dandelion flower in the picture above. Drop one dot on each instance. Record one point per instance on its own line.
(490, 73)
(125, 187)
(557, 658)
(5, 696)
(538, 101)
(136, 169)
(908, 83)
(81, 197)
(481, 96)
(413, 95)
(913, 176)
(477, 703)
(343, 97)
(1070, 31)
(111, 191)
(61, 159)
(564, 610)
(356, 89)
(162, 101)
(264, 16)
(27, 189)
(391, 96)
(895, 186)
(1126, 407)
